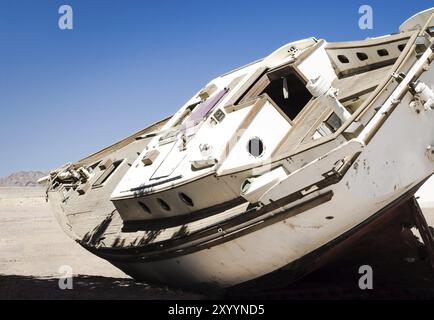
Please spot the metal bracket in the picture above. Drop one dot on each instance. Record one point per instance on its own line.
(430, 152)
(423, 97)
(399, 77)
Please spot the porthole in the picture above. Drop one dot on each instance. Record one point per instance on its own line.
(163, 204)
(255, 147)
(144, 207)
(362, 56)
(186, 199)
(382, 52)
(343, 59)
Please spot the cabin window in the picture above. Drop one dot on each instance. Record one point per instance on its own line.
(333, 122)
(287, 91)
(284, 88)
(163, 204)
(343, 59)
(362, 56)
(382, 52)
(144, 207)
(186, 199)
(107, 174)
(328, 127)
(255, 147)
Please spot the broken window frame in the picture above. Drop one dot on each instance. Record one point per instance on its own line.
(256, 90)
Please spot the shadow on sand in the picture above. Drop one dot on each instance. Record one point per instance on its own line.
(400, 269)
(398, 273)
(85, 287)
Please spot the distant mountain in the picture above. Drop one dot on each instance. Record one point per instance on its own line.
(22, 179)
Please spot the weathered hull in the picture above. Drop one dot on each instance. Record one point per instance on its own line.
(191, 223)
(383, 173)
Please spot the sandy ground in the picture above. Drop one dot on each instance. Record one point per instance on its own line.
(33, 248)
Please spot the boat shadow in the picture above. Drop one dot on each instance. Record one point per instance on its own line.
(400, 270)
(18, 287)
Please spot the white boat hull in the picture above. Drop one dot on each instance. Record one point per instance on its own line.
(391, 165)
(246, 179)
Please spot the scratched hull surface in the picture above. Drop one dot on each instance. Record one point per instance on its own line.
(262, 167)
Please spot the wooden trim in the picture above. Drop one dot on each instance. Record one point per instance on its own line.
(267, 98)
(306, 110)
(236, 107)
(250, 82)
(350, 97)
(257, 88)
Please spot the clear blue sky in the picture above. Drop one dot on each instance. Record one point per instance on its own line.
(126, 64)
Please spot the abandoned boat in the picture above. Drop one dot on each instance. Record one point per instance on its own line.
(268, 168)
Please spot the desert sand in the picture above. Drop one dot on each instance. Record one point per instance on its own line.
(33, 248)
